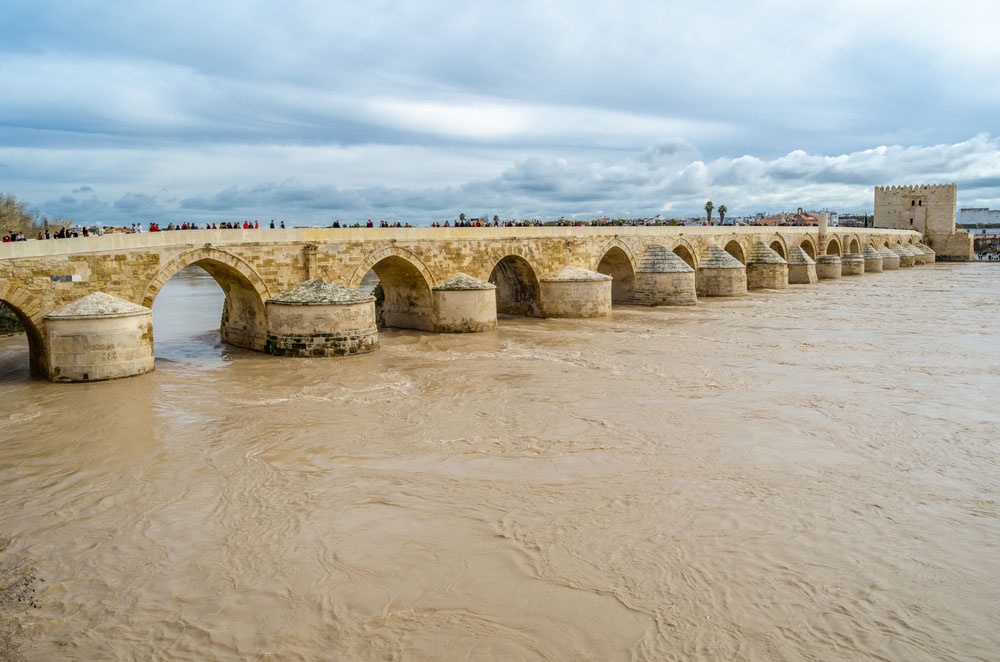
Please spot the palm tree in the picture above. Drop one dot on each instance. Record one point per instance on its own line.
(722, 214)
(708, 210)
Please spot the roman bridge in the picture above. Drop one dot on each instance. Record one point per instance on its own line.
(428, 276)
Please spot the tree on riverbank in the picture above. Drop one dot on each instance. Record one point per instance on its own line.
(723, 210)
(708, 211)
(17, 595)
(16, 217)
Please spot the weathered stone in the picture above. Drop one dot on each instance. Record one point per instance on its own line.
(662, 278)
(829, 267)
(320, 318)
(720, 274)
(890, 260)
(576, 292)
(765, 268)
(852, 264)
(873, 259)
(463, 304)
(801, 267)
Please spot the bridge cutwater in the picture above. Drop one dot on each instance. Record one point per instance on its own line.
(86, 303)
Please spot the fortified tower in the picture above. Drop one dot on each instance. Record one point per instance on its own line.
(928, 209)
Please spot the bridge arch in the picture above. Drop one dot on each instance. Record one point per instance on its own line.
(734, 248)
(406, 285)
(686, 252)
(808, 246)
(518, 291)
(618, 262)
(244, 318)
(854, 244)
(833, 247)
(19, 301)
(778, 246)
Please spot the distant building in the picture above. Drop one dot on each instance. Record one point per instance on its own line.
(979, 220)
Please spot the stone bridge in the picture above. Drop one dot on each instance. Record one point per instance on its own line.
(522, 271)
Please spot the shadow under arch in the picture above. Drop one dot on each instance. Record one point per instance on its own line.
(518, 291)
(833, 247)
(406, 285)
(778, 246)
(736, 250)
(854, 245)
(244, 317)
(17, 301)
(808, 246)
(684, 251)
(617, 262)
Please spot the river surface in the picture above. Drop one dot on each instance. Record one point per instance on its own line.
(808, 474)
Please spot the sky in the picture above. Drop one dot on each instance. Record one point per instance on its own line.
(117, 112)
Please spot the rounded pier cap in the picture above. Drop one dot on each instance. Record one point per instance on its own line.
(660, 260)
(575, 274)
(761, 253)
(924, 248)
(716, 258)
(871, 252)
(97, 305)
(319, 292)
(461, 281)
(829, 259)
(798, 256)
(887, 252)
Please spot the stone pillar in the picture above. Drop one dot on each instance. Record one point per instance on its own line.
(873, 260)
(310, 254)
(575, 292)
(801, 267)
(890, 260)
(463, 304)
(824, 221)
(852, 264)
(720, 274)
(829, 266)
(664, 279)
(99, 337)
(765, 268)
(928, 252)
(320, 318)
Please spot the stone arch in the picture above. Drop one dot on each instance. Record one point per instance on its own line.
(19, 301)
(518, 291)
(808, 246)
(406, 286)
(778, 246)
(686, 252)
(734, 248)
(391, 251)
(244, 317)
(619, 263)
(833, 247)
(854, 245)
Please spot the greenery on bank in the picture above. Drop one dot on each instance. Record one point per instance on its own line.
(18, 580)
(8, 321)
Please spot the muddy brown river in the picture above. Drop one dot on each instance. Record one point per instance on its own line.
(809, 474)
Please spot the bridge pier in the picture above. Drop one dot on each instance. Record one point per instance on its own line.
(664, 279)
(576, 292)
(905, 256)
(720, 274)
(890, 261)
(320, 318)
(765, 268)
(829, 266)
(463, 304)
(852, 264)
(99, 337)
(873, 260)
(801, 267)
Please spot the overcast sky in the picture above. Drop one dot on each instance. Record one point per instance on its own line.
(419, 111)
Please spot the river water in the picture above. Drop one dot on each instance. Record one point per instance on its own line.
(810, 474)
